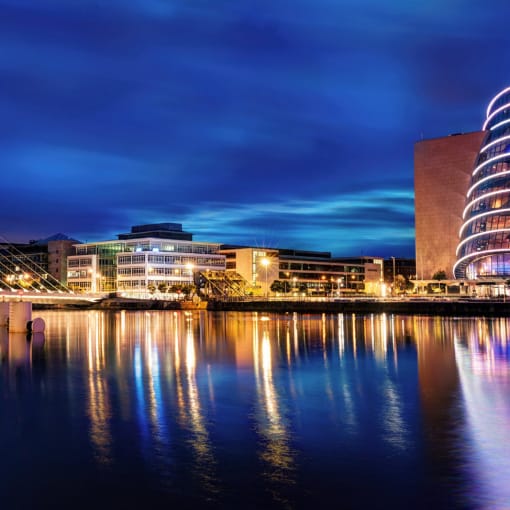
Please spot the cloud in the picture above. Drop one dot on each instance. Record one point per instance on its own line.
(287, 122)
(372, 221)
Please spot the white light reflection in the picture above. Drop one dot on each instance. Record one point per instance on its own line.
(484, 372)
(396, 432)
(155, 401)
(200, 441)
(276, 453)
(341, 336)
(354, 340)
(98, 403)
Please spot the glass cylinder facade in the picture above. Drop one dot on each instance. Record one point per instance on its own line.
(484, 247)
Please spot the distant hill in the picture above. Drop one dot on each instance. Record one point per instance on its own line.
(54, 237)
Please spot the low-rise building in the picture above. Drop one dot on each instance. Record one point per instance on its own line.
(285, 271)
(38, 264)
(147, 258)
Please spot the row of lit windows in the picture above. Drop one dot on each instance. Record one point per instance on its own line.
(113, 248)
(103, 249)
(132, 284)
(142, 284)
(170, 259)
(488, 223)
(78, 274)
(494, 150)
(500, 132)
(184, 247)
(80, 285)
(496, 168)
(160, 271)
(202, 261)
(502, 115)
(492, 265)
(128, 271)
(501, 200)
(331, 268)
(496, 184)
(320, 276)
(79, 262)
(493, 241)
(500, 101)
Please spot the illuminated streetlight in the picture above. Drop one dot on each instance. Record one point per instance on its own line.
(190, 267)
(393, 282)
(95, 280)
(266, 262)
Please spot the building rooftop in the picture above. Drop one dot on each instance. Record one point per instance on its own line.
(158, 230)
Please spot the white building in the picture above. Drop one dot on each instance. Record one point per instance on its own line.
(146, 258)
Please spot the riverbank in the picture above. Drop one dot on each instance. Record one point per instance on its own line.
(451, 308)
(417, 306)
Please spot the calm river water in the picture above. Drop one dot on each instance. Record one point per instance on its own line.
(246, 410)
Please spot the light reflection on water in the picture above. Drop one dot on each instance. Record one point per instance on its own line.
(482, 356)
(252, 410)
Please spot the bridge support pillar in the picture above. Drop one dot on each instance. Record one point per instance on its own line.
(4, 313)
(20, 313)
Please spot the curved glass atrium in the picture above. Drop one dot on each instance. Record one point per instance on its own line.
(484, 247)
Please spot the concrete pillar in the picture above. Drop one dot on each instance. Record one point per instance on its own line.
(4, 313)
(20, 313)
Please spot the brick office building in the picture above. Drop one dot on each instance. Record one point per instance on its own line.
(442, 173)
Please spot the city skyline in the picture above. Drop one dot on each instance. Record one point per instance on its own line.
(285, 125)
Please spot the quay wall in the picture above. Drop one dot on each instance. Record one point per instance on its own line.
(452, 308)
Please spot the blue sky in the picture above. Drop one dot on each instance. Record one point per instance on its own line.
(281, 123)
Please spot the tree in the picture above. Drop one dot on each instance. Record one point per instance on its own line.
(439, 275)
(400, 283)
(162, 287)
(277, 286)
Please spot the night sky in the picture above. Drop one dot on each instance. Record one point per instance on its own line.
(278, 123)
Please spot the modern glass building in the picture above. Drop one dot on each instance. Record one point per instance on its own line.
(148, 256)
(484, 247)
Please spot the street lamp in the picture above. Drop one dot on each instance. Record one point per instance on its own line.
(95, 282)
(393, 259)
(190, 267)
(266, 262)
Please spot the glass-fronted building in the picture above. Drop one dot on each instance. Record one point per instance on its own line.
(484, 246)
(147, 257)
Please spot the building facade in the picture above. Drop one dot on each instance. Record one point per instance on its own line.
(442, 171)
(303, 272)
(484, 246)
(37, 265)
(148, 257)
(395, 266)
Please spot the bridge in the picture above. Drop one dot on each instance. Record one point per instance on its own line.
(24, 276)
(49, 297)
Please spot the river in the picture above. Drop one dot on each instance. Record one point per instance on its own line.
(174, 409)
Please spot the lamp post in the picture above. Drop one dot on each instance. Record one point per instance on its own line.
(95, 281)
(393, 259)
(265, 262)
(189, 267)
